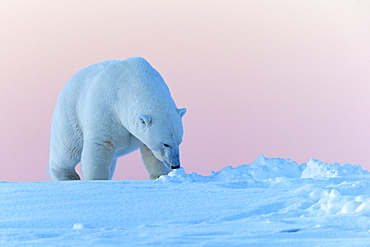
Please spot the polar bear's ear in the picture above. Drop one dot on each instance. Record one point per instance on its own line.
(181, 111)
(145, 119)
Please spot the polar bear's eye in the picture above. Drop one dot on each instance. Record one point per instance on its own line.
(166, 145)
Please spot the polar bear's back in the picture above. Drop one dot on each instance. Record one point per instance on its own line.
(132, 83)
(115, 74)
(82, 79)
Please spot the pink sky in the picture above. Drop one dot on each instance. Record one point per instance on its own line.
(289, 78)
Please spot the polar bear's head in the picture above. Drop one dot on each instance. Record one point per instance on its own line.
(163, 135)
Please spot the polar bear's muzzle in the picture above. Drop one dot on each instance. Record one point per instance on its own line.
(172, 166)
(175, 167)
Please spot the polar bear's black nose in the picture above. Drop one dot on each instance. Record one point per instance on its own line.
(175, 167)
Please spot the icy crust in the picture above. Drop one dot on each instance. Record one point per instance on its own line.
(269, 168)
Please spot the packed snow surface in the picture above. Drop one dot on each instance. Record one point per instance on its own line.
(271, 202)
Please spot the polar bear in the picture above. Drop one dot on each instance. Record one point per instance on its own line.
(110, 109)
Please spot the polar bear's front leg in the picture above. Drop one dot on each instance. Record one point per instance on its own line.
(97, 160)
(155, 167)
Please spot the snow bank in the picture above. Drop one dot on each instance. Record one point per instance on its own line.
(269, 168)
(328, 188)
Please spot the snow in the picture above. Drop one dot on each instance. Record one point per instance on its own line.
(271, 202)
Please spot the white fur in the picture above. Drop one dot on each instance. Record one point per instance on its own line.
(108, 110)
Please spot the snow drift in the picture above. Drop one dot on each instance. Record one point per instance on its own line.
(272, 201)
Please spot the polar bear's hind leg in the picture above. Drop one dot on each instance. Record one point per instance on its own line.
(62, 174)
(65, 154)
